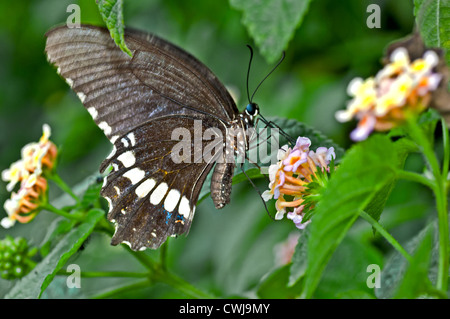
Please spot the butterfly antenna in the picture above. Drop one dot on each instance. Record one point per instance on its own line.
(271, 124)
(257, 190)
(273, 69)
(248, 71)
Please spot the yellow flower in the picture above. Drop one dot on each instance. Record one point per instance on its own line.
(364, 93)
(14, 174)
(22, 206)
(36, 157)
(402, 88)
(396, 95)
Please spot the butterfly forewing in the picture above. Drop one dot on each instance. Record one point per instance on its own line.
(122, 92)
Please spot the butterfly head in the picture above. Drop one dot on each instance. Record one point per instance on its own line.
(252, 109)
(249, 114)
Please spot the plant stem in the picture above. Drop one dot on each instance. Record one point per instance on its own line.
(158, 272)
(446, 143)
(58, 181)
(440, 191)
(383, 232)
(131, 287)
(51, 208)
(180, 284)
(95, 274)
(163, 254)
(145, 260)
(441, 203)
(414, 177)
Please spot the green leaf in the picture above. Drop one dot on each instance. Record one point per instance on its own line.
(57, 228)
(271, 23)
(112, 14)
(347, 270)
(92, 194)
(34, 284)
(398, 276)
(365, 169)
(403, 147)
(415, 281)
(300, 257)
(433, 19)
(275, 285)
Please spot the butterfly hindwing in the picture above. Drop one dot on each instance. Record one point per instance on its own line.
(151, 195)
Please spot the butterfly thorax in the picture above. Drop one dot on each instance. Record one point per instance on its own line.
(236, 145)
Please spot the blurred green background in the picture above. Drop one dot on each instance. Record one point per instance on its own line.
(227, 251)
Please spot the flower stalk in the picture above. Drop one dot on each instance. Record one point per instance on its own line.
(439, 188)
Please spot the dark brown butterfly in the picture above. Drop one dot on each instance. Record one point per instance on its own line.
(138, 102)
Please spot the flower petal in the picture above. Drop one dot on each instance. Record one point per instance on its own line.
(7, 222)
(267, 195)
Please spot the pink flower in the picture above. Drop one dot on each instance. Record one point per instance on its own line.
(297, 217)
(296, 158)
(365, 126)
(280, 183)
(302, 143)
(322, 156)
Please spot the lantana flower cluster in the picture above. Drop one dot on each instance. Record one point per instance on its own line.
(292, 177)
(401, 89)
(27, 172)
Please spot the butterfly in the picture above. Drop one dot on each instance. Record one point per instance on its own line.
(139, 102)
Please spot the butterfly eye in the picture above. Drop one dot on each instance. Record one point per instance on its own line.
(252, 109)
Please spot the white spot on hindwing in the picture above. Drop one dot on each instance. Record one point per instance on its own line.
(131, 138)
(113, 152)
(105, 181)
(145, 188)
(127, 158)
(171, 200)
(114, 138)
(185, 208)
(158, 193)
(109, 203)
(127, 243)
(134, 175)
(124, 141)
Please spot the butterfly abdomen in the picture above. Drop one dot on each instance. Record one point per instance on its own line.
(221, 184)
